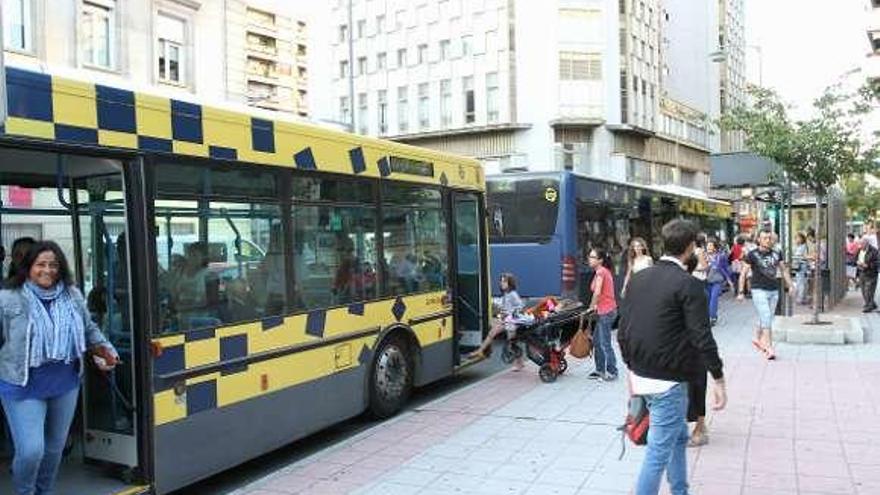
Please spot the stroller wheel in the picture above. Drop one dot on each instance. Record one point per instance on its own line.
(563, 365)
(509, 353)
(547, 374)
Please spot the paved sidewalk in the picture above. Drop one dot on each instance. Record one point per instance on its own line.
(805, 424)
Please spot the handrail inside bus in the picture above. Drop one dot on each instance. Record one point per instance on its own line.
(59, 182)
(225, 213)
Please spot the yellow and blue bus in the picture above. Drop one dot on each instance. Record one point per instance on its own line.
(261, 278)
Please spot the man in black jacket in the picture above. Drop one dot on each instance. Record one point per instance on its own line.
(867, 262)
(665, 341)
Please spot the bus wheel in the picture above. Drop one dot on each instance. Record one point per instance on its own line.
(391, 378)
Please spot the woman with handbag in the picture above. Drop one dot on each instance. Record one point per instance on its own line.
(46, 328)
(604, 303)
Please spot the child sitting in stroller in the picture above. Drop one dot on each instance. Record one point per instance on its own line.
(508, 305)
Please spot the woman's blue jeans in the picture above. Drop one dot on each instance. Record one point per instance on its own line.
(39, 431)
(603, 352)
(667, 443)
(713, 293)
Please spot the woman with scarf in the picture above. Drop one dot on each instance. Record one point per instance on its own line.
(46, 330)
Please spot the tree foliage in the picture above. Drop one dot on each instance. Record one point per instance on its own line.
(818, 152)
(862, 199)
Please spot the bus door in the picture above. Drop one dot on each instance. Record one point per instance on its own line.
(469, 289)
(109, 419)
(79, 202)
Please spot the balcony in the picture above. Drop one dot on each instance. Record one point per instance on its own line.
(872, 68)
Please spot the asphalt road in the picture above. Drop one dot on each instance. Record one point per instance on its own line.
(260, 467)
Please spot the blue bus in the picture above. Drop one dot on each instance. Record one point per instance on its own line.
(542, 225)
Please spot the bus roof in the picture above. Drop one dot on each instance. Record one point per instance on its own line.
(65, 110)
(673, 190)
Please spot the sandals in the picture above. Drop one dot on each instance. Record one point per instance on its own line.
(768, 351)
(758, 345)
(478, 354)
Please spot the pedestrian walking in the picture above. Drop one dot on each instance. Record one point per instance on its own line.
(665, 341)
(735, 258)
(867, 261)
(801, 265)
(764, 264)
(717, 275)
(637, 259)
(851, 251)
(604, 304)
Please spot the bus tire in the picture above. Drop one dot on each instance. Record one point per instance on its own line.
(391, 377)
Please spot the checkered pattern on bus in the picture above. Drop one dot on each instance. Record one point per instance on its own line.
(233, 384)
(63, 110)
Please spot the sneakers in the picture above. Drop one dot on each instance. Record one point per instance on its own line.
(609, 377)
(595, 375)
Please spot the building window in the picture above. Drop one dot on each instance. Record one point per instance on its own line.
(466, 44)
(688, 179)
(470, 114)
(380, 24)
(445, 102)
(401, 57)
(382, 105)
(344, 110)
(381, 61)
(343, 33)
(261, 18)
(98, 32)
(263, 44)
(262, 95)
(363, 128)
(18, 25)
(172, 41)
(361, 28)
(444, 49)
(343, 69)
(422, 54)
(424, 104)
(402, 109)
(579, 66)
(492, 112)
(362, 66)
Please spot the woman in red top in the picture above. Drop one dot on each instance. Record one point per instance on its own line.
(605, 305)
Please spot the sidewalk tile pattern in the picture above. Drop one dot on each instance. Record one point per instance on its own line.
(804, 424)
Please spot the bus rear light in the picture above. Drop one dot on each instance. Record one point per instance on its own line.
(569, 272)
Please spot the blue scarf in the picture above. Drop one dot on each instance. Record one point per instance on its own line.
(57, 334)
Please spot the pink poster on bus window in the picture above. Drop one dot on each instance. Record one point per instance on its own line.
(20, 197)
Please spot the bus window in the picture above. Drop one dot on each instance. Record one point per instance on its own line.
(221, 261)
(335, 255)
(414, 229)
(522, 209)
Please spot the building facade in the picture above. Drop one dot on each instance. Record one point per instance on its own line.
(582, 85)
(732, 60)
(242, 51)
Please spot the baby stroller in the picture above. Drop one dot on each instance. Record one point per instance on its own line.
(545, 337)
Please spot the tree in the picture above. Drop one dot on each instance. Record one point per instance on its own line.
(816, 153)
(862, 199)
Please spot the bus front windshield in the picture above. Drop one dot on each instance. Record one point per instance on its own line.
(522, 209)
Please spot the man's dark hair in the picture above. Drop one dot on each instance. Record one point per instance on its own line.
(850, 236)
(24, 270)
(677, 235)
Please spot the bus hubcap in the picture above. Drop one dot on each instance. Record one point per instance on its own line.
(391, 372)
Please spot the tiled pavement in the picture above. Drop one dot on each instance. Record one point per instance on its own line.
(805, 424)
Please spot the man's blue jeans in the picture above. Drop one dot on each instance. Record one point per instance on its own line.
(39, 432)
(667, 443)
(606, 361)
